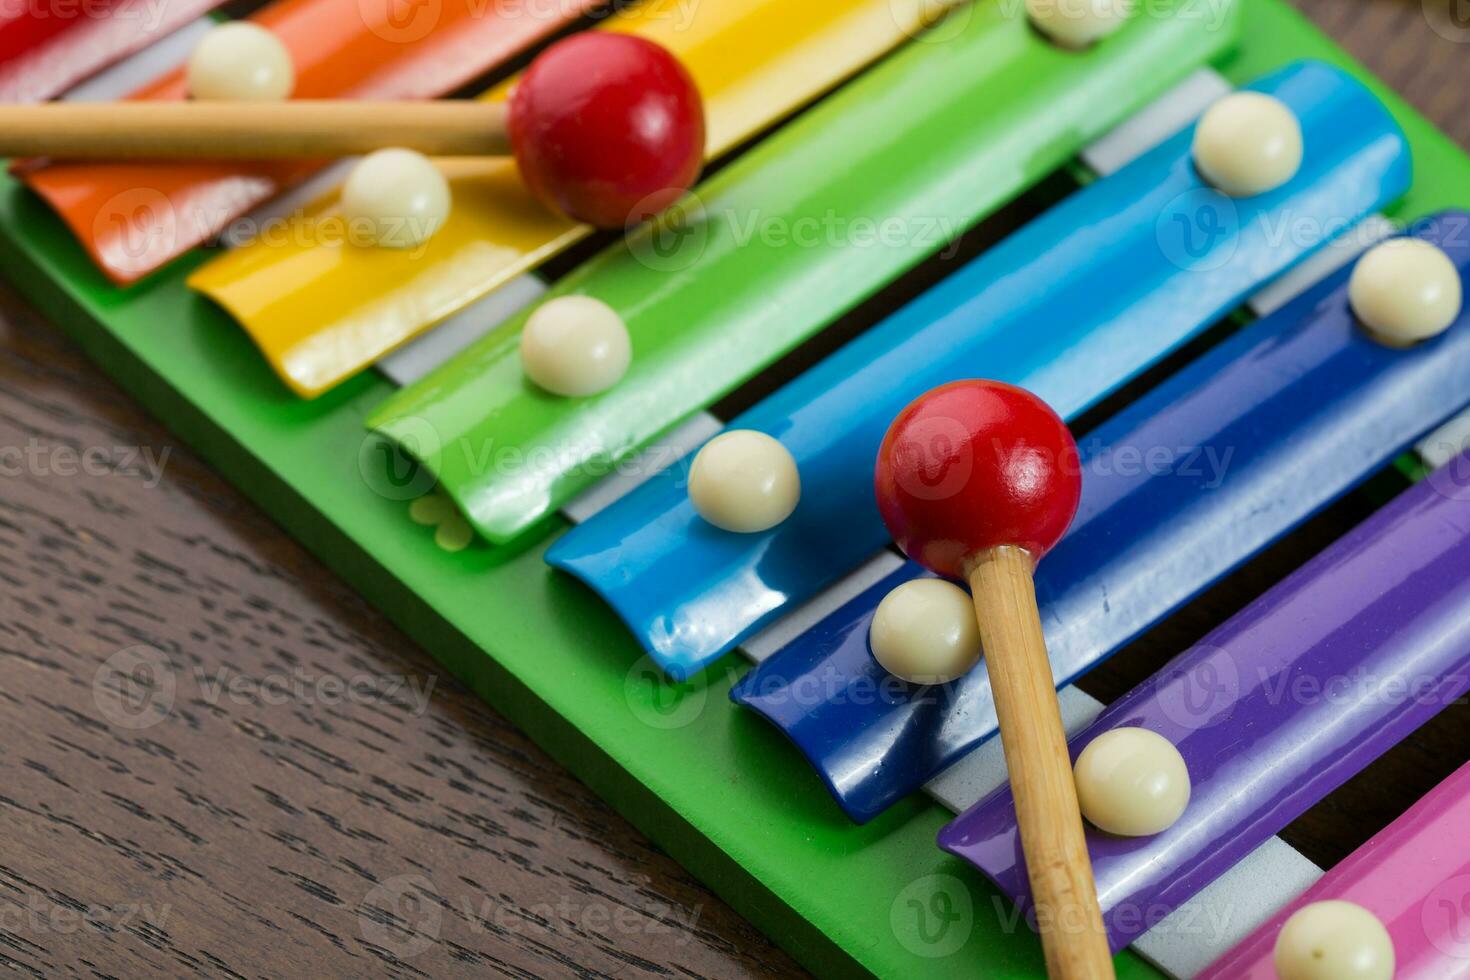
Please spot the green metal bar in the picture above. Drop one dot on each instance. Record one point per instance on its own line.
(810, 223)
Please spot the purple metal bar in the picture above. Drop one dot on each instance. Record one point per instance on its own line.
(1280, 705)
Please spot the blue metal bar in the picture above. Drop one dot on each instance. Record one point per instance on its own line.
(1072, 306)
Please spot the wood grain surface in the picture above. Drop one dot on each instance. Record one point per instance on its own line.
(310, 795)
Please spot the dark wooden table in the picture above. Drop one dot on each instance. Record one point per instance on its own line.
(318, 780)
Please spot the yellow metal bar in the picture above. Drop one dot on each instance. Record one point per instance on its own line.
(322, 307)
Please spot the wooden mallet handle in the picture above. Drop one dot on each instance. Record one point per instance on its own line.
(977, 479)
(250, 130)
(1035, 745)
(609, 129)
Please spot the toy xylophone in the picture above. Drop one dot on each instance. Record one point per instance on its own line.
(1212, 351)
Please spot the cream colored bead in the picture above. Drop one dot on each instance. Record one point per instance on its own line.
(1333, 940)
(575, 346)
(396, 198)
(1247, 144)
(1131, 782)
(1405, 290)
(924, 632)
(1078, 23)
(744, 481)
(240, 62)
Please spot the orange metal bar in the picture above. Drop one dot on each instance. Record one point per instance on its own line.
(134, 217)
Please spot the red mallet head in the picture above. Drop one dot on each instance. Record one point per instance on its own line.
(975, 465)
(607, 128)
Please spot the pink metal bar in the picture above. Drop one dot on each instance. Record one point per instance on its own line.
(1414, 875)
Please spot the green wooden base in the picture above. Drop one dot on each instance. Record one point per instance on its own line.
(718, 789)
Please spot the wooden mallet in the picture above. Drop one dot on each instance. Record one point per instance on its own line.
(607, 128)
(976, 480)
